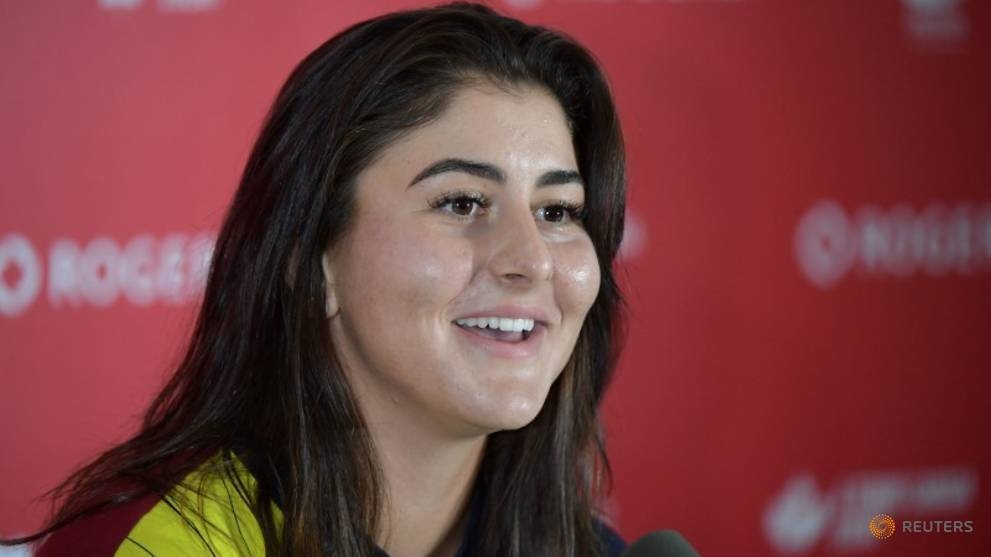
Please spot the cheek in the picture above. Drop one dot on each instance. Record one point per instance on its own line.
(399, 267)
(577, 276)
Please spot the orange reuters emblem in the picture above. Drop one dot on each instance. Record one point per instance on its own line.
(882, 526)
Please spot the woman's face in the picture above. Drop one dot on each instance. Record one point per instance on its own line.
(464, 228)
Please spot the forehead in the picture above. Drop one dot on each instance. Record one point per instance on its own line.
(521, 129)
(519, 109)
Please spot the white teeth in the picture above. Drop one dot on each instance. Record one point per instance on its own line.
(501, 323)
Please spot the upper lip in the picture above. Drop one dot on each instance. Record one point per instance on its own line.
(513, 312)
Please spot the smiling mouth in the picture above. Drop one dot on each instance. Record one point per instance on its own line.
(501, 329)
(503, 336)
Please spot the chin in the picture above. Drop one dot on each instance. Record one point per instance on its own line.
(514, 414)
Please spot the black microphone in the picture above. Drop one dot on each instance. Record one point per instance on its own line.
(663, 543)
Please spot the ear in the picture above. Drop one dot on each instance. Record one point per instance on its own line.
(330, 291)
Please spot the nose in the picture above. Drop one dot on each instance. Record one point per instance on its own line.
(521, 255)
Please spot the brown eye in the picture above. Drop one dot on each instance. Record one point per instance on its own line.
(463, 206)
(560, 213)
(555, 213)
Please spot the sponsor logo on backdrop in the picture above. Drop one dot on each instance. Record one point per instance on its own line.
(120, 4)
(831, 243)
(801, 516)
(936, 24)
(634, 237)
(161, 5)
(529, 4)
(141, 270)
(20, 274)
(16, 551)
(524, 3)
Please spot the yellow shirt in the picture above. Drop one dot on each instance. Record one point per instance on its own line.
(226, 525)
(216, 521)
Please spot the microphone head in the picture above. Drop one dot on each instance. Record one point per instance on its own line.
(663, 543)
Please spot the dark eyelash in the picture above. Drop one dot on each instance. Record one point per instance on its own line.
(576, 210)
(475, 196)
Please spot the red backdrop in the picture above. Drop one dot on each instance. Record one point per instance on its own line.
(807, 263)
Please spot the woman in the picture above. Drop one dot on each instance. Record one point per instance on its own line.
(409, 321)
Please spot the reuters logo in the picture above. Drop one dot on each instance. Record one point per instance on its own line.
(882, 526)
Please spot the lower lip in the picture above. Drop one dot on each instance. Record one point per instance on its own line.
(501, 349)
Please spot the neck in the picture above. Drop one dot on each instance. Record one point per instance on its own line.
(428, 479)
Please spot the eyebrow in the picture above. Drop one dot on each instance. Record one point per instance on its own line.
(493, 173)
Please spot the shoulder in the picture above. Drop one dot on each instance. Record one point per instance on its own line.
(204, 515)
(612, 543)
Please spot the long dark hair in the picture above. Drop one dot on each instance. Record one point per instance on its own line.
(259, 365)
